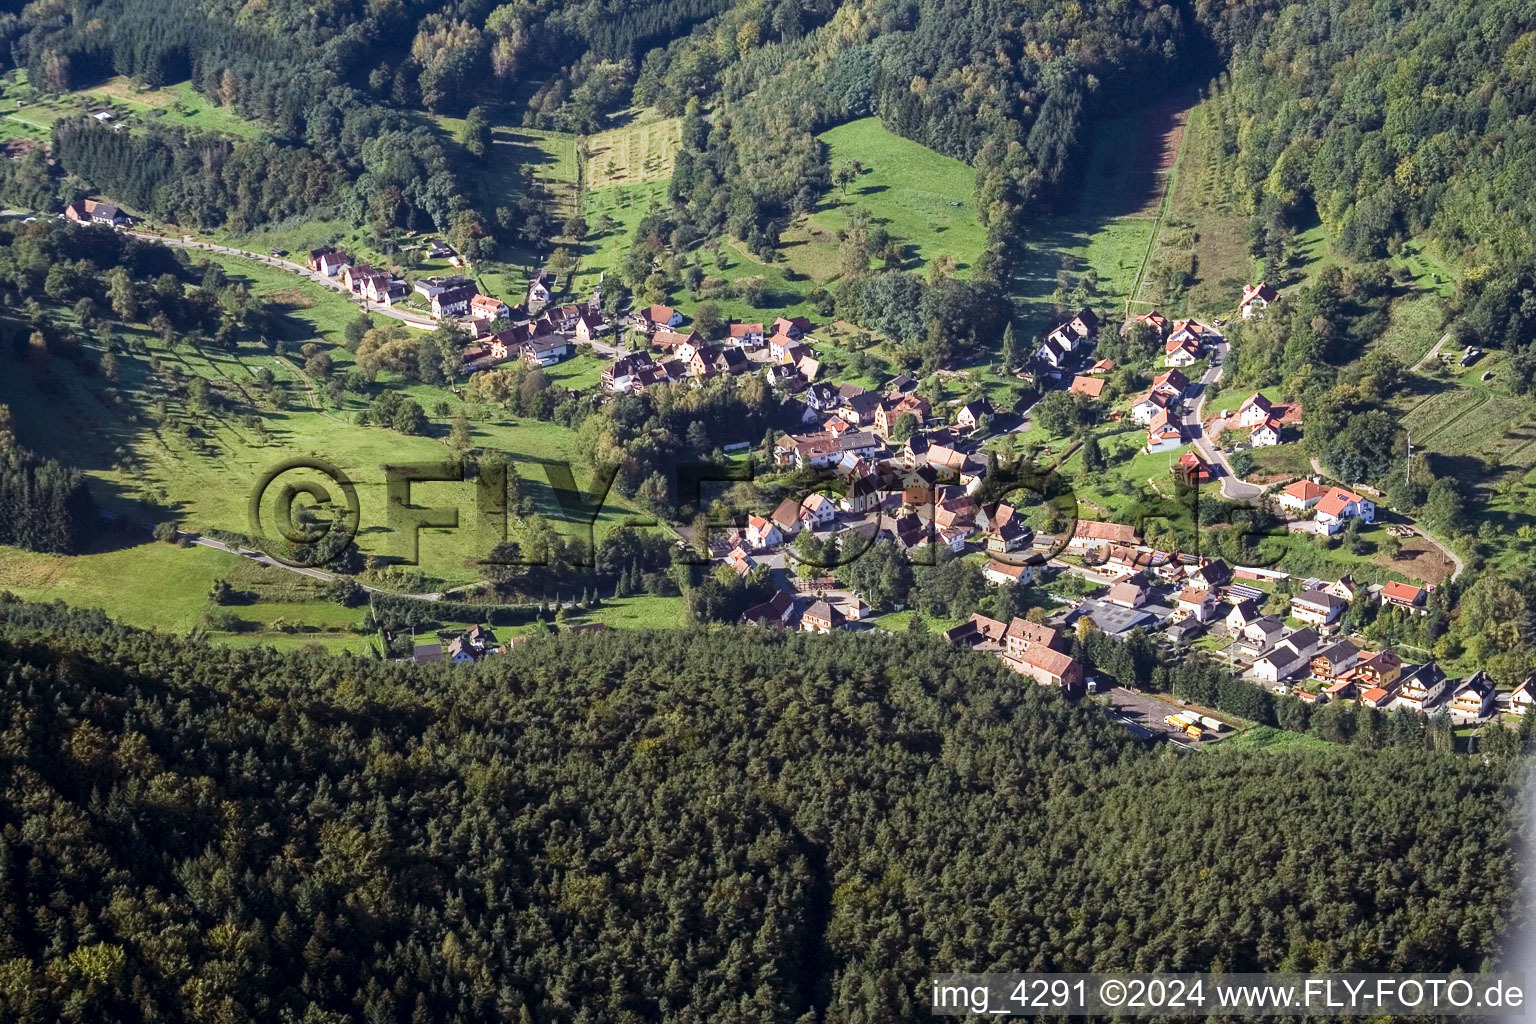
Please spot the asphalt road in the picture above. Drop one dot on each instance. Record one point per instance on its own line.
(1232, 486)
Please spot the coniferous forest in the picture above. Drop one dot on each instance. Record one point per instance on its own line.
(732, 825)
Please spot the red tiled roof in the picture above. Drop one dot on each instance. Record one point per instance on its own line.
(1335, 500)
(1305, 490)
(1402, 592)
(1089, 386)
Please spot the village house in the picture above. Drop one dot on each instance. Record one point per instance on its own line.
(1241, 614)
(1345, 586)
(621, 375)
(1009, 536)
(1181, 352)
(970, 415)
(1088, 387)
(1003, 573)
(1318, 608)
(819, 451)
(1023, 635)
(1164, 433)
(1172, 383)
(588, 327)
(1126, 560)
(775, 612)
(1266, 434)
(1191, 470)
(856, 405)
(1210, 574)
(1423, 687)
(453, 302)
(786, 516)
(1379, 671)
(327, 261)
(1127, 594)
(889, 412)
(655, 318)
(1338, 505)
(740, 561)
(977, 632)
(817, 510)
(1522, 696)
(1254, 410)
(676, 343)
(544, 351)
(1474, 699)
(746, 335)
(92, 211)
(1195, 604)
(1288, 655)
(1261, 634)
(1279, 663)
(822, 617)
(793, 327)
(1405, 596)
(1152, 319)
(1256, 298)
(1334, 660)
(779, 346)
(1085, 324)
(487, 307)
(762, 534)
(541, 288)
(1046, 666)
(1149, 406)
(1089, 534)
(1301, 495)
(370, 283)
(1053, 352)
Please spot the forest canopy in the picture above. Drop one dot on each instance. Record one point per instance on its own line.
(739, 824)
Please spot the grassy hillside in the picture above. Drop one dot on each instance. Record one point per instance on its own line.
(922, 198)
(204, 469)
(29, 114)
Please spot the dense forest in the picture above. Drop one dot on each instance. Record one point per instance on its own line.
(643, 827)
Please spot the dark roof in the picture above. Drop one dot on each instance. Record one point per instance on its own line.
(423, 654)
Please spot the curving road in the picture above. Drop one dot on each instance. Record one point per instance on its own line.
(1232, 486)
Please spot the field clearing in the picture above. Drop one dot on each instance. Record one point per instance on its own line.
(139, 582)
(1274, 741)
(1201, 258)
(923, 198)
(624, 207)
(634, 154)
(1416, 323)
(177, 105)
